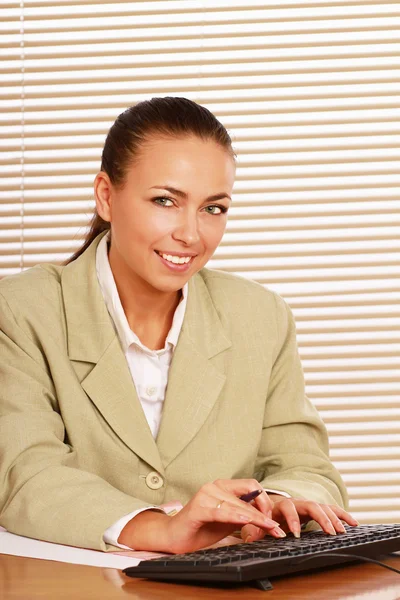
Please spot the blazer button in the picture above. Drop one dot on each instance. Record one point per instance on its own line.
(154, 481)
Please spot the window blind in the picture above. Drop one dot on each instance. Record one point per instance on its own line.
(309, 91)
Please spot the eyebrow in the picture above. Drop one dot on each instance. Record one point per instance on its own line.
(184, 194)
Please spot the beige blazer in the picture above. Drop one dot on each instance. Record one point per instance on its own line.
(76, 452)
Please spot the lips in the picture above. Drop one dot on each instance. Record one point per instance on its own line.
(175, 266)
(178, 254)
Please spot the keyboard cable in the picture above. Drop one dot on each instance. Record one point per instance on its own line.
(355, 556)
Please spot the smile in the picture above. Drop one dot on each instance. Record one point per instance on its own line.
(177, 260)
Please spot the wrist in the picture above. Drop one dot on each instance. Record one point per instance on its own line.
(146, 531)
(276, 497)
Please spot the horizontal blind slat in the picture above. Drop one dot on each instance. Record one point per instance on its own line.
(144, 57)
(216, 5)
(242, 11)
(228, 24)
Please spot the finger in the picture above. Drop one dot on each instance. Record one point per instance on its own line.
(288, 510)
(335, 513)
(246, 514)
(251, 533)
(244, 507)
(316, 512)
(343, 515)
(238, 487)
(336, 522)
(227, 513)
(264, 503)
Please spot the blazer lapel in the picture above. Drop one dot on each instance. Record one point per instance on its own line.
(92, 338)
(194, 381)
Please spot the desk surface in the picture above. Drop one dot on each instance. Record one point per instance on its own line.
(28, 579)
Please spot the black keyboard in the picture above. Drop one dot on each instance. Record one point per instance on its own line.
(270, 557)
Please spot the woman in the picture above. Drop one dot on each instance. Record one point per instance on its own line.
(133, 376)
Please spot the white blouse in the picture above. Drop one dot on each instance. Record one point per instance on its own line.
(149, 368)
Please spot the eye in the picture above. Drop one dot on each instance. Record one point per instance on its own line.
(215, 209)
(162, 201)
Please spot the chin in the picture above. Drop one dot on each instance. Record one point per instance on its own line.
(169, 288)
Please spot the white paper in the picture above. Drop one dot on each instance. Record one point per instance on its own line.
(18, 545)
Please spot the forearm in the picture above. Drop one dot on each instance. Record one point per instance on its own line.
(65, 505)
(305, 475)
(294, 449)
(147, 531)
(310, 486)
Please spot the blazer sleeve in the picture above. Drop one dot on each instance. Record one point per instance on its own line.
(44, 494)
(294, 450)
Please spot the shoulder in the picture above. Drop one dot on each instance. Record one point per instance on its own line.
(34, 283)
(33, 295)
(240, 297)
(42, 285)
(240, 290)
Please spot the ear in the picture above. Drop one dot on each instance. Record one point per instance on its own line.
(102, 194)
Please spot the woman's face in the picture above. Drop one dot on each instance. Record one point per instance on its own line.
(170, 215)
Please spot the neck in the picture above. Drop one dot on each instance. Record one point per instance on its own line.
(144, 305)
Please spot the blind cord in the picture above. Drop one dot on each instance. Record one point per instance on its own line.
(22, 185)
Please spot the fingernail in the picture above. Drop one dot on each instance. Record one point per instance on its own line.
(279, 532)
(296, 530)
(332, 530)
(248, 539)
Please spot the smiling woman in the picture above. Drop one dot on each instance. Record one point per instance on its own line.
(159, 242)
(151, 378)
(161, 233)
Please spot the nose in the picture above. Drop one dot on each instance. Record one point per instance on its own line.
(187, 229)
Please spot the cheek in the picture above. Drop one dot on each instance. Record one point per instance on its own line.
(122, 215)
(213, 232)
(160, 222)
(137, 224)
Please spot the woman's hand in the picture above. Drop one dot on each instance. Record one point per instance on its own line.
(214, 512)
(292, 512)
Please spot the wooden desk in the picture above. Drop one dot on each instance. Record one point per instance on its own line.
(28, 579)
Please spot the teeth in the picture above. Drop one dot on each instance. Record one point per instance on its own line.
(176, 259)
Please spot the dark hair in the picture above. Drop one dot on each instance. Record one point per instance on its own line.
(167, 116)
